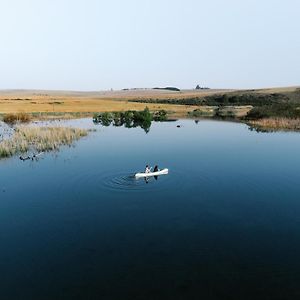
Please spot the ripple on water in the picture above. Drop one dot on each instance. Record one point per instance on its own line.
(128, 182)
(113, 181)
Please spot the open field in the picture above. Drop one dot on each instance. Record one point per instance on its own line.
(84, 102)
(113, 95)
(231, 97)
(177, 103)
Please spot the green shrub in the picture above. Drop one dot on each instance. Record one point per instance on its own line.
(160, 115)
(286, 110)
(130, 118)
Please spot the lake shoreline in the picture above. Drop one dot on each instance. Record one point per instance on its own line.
(259, 108)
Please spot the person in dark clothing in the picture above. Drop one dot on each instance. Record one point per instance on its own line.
(156, 169)
(148, 169)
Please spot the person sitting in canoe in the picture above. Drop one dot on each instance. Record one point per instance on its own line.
(148, 169)
(156, 169)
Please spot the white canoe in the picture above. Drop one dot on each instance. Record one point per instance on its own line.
(161, 172)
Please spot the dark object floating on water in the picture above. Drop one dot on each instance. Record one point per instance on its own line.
(178, 126)
(34, 156)
(24, 158)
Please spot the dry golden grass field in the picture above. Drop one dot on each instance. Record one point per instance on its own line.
(53, 102)
(15, 101)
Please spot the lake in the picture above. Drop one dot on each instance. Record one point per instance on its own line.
(223, 224)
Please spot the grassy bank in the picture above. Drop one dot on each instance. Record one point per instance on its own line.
(280, 110)
(39, 139)
(65, 105)
(274, 124)
(244, 105)
(40, 116)
(221, 111)
(16, 118)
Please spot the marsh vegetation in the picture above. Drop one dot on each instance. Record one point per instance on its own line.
(18, 117)
(39, 139)
(273, 124)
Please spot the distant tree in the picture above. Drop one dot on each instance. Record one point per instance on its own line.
(169, 88)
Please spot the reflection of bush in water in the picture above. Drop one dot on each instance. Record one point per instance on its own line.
(130, 118)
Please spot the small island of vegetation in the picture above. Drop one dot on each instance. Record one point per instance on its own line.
(130, 118)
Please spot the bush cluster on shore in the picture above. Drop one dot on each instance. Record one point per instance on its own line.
(130, 118)
(248, 105)
(14, 118)
(283, 110)
(39, 139)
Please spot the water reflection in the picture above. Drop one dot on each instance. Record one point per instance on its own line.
(259, 129)
(130, 119)
(123, 122)
(227, 217)
(149, 178)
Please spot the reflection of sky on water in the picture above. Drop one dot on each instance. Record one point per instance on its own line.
(226, 215)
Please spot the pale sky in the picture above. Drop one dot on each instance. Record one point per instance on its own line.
(98, 45)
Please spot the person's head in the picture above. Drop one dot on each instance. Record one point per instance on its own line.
(147, 166)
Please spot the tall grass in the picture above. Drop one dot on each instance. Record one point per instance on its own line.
(277, 124)
(14, 118)
(39, 139)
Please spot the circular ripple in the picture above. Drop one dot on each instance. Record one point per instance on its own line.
(88, 182)
(129, 182)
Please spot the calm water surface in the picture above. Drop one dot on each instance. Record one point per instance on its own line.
(224, 224)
